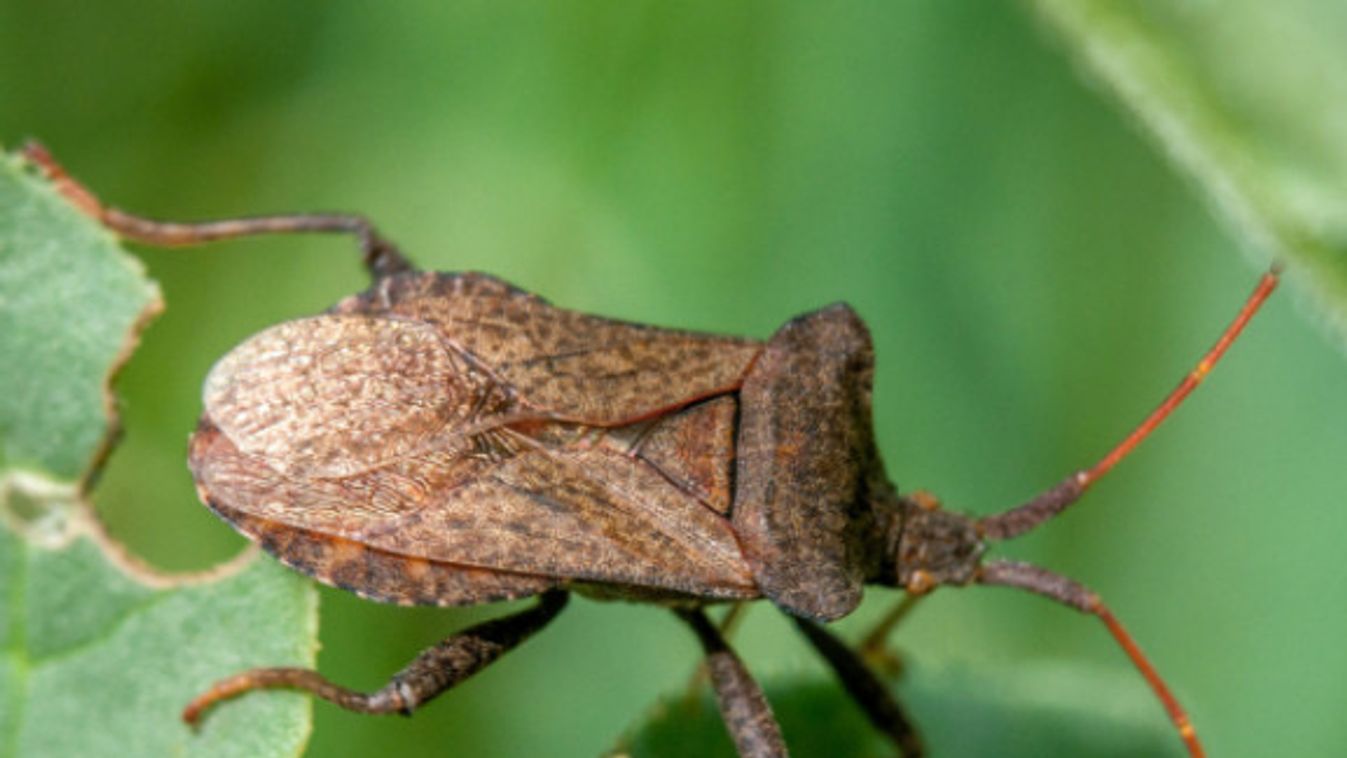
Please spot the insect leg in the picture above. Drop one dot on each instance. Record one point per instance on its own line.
(865, 688)
(435, 670)
(729, 622)
(1021, 519)
(1027, 576)
(874, 646)
(742, 705)
(381, 257)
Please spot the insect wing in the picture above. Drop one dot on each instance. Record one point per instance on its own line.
(399, 422)
(587, 515)
(562, 363)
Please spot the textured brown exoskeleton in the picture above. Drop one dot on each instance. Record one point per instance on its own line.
(448, 439)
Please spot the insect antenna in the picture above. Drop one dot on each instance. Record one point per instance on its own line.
(1045, 506)
(1069, 592)
(380, 256)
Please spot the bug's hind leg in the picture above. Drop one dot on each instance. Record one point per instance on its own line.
(865, 688)
(742, 705)
(435, 670)
(381, 257)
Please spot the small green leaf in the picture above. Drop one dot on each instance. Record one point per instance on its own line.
(1030, 710)
(70, 307)
(99, 654)
(98, 663)
(1248, 97)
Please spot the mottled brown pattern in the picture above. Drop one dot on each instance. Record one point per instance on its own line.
(572, 365)
(333, 396)
(420, 420)
(379, 575)
(801, 507)
(452, 419)
(695, 450)
(584, 514)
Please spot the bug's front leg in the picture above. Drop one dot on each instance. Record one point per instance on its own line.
(380, 256)
(874, 646)
(864, 687)
(742, 705)
(435, 670)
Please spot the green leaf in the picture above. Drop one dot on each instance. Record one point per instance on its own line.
(1030, 710)
(1247, 97)
(98, 654)
(71, 304)
(98, 663)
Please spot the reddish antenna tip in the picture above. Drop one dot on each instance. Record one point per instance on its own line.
(1265, 286)
(1023, 518)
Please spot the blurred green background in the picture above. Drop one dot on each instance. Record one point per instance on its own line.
(1035, 274)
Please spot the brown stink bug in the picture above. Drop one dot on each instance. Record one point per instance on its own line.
(448, 439)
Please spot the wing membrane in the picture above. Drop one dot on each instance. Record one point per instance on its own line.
(589, 515)
(399, 424)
